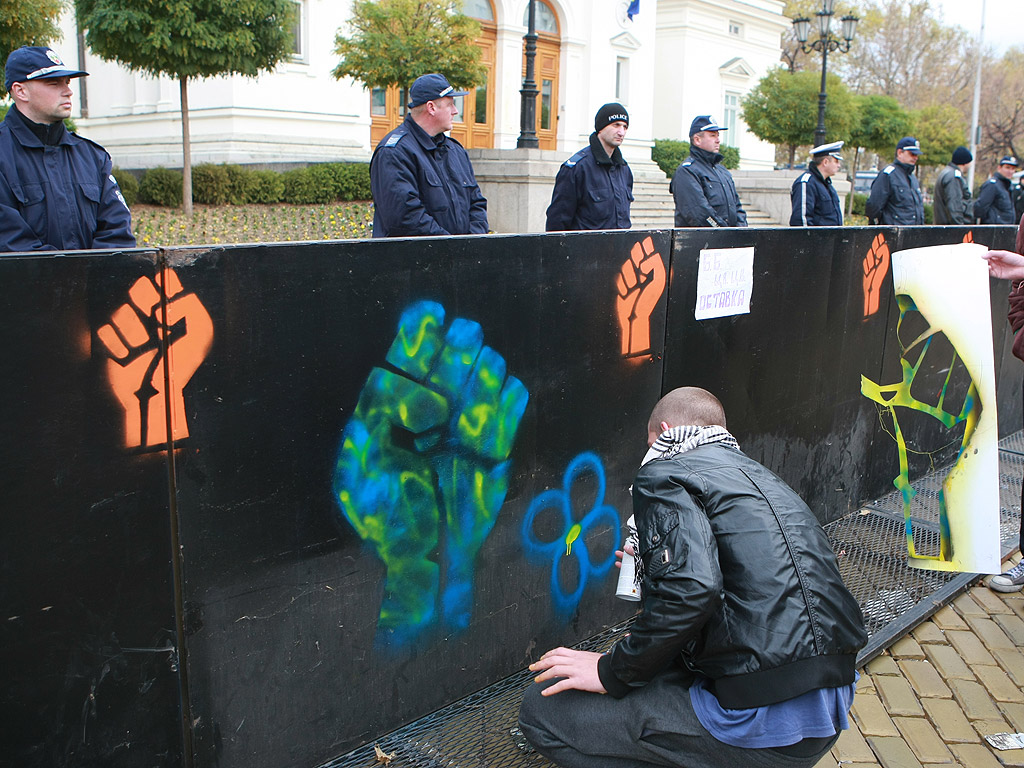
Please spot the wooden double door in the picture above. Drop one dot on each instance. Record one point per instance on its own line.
(474, 125)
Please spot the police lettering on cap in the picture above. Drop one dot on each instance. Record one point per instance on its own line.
(33, 62)
(909, 143)
(1009, 160)
(431, 88)
(705, 123)
(824, 150)
(610, 113)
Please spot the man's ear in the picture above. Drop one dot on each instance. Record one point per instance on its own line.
(665, 426)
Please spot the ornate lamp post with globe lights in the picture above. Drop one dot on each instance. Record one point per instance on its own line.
(825, 43)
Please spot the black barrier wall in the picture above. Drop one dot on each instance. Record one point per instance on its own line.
(400, 468)
(88, 639)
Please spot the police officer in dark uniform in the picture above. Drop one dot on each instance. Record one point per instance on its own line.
(995, 206)
(895, 197)
(815, 200)
(56, 188)
(594, 187)
(421, 179)
(703, 189)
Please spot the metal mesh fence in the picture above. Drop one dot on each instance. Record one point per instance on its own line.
(480, 730)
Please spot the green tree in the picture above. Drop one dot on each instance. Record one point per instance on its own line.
(26, 22)
(392, 42)
(783, 108)
(940, 129)
(881, 122)
(189, 39)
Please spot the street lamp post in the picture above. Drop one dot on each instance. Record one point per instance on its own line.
(528, 109)
(825, 43)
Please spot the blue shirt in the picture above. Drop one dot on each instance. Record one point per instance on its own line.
(815, 714)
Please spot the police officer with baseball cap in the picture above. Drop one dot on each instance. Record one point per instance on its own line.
(815, 200)
(594, 187)
(995, 205)
(703, 189)
(421, 179)
(895, 197)
(56, 188)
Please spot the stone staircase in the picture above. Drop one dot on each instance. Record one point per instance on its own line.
(654, 208)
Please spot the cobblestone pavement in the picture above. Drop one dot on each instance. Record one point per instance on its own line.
(932, 696)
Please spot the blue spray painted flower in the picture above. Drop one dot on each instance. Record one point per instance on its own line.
(572, 538)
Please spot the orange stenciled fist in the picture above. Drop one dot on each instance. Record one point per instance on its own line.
(134, 338)
(876, 267)
(969, 237)
(641, 283)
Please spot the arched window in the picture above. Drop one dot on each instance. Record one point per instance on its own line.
(545, 19)
(478, 9)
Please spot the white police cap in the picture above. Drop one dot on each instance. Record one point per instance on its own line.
(828, 149)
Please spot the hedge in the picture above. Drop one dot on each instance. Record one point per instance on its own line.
(235, 185)
(669, 153)
(161, 186)
(129, 186)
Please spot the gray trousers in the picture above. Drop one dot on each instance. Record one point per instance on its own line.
(651, 726)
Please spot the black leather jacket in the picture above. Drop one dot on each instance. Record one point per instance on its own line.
(952, 198)
(741, 585)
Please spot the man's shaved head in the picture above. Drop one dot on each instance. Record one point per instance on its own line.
(686, 406)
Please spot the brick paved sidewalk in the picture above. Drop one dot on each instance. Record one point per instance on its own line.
(932, 696)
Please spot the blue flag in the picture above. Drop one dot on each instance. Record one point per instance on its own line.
(633, 10)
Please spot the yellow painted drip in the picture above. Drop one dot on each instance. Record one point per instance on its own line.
(574, 533)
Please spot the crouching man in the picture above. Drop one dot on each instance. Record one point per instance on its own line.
(745, 647)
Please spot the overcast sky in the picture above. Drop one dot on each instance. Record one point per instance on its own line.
(1004, 19)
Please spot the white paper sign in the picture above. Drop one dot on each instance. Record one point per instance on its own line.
(725, 279)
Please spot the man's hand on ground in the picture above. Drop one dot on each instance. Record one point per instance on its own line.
(578, 670)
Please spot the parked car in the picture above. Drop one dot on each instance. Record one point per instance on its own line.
(862, 182)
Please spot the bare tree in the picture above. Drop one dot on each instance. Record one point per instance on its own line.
(1002, 108)
(903, 50)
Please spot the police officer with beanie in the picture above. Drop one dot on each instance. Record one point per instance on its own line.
(56, 188)
(952, 197)
(594, 187)
(995, 206)
(703, 189)
(815, 200)
(421, 179)
(895, 197)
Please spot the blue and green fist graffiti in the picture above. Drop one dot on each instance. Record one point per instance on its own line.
(423, 467)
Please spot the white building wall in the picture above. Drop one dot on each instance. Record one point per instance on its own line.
(674, 51)
(698, 60)
(297, 113)
(592, 36)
